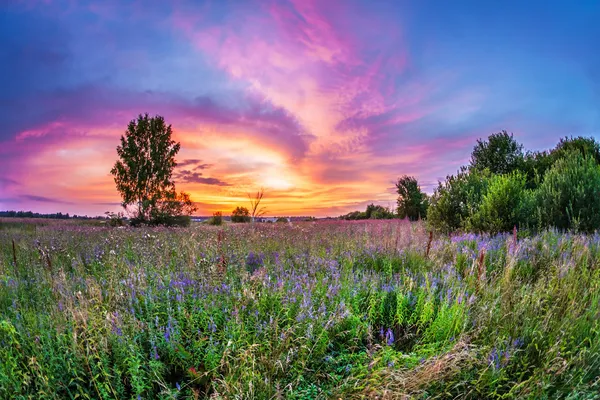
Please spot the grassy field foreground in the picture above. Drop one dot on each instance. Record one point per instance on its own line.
(303, 311)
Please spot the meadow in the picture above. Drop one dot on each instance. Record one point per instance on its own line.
(363, 309)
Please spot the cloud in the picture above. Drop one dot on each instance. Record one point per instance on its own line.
(193, 162)
(187, 176)
(42, 199)
(6, 182)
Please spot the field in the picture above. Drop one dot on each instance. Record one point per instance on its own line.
(312, 310)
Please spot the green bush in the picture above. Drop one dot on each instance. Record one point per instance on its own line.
(569, 196)
(217, 219)
(456, 199)
(506, 204)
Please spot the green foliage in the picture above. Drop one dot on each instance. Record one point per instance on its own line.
(505, 204)
(217, 219)
(143, 173)
(378, 212)
(500, 154)
(456, 199)
(569, 196)
(354, 215)
(372, 212)
(503, 188)
(241, 214)
(282, 220)
(412, 203)
(172, 210)
(588, 147)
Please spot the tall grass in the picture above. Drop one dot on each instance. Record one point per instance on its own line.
(304, 311)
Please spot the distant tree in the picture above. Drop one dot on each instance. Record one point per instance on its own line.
(412, 202)
(240, 214)
(282, 219)
(378, 212)
(500, 154)
(255, 209)
(354, 215)
(143, 173)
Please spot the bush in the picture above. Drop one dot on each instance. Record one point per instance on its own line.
(240, 214)
(282, 219)
(173, 220)
(115, 219)
(456, 199)
(505, 204)
(217, 219)
(569, 196)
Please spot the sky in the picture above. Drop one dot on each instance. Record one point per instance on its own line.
(323, 103)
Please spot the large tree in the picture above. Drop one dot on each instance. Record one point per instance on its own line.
(143, 172)
(500, 153)
(412, 203)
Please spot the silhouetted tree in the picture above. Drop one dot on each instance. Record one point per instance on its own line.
(240, 214)
(143, 173)
(412, 203)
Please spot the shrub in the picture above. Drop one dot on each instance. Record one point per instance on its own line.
(282, 219)
(115, 219)
(240, 214)
(217, 219)
(505, 204)
(569, 196)
(456, 199)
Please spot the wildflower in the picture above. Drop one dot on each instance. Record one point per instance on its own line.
(389, 337)
(494, 359)
(178, 386)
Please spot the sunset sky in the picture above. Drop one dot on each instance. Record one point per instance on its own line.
(323, 103)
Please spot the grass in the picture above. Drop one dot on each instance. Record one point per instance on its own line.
(303, 311)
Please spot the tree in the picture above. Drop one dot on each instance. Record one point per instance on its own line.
(378, 212)
(569, 196)
(500, 154)
(255, 209)
(240, 214)
(588, 147)
(143, 173)
(412, 203)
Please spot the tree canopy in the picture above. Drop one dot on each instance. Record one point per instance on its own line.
(500, 154)
(412, 202)
(504, 187)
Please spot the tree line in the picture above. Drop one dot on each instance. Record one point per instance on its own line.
(505, 186)
(502, 187)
